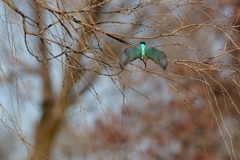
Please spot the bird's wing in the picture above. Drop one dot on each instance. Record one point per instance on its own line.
(157, 56)
(130, 55)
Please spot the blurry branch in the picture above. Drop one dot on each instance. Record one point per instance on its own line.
(184, 19)
(208, 59)
(83, 31)
(12, 6)
(86, 9)
(94, 27)
(43, 136)
(55, 106)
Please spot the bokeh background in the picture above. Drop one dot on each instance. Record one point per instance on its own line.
(63, 94)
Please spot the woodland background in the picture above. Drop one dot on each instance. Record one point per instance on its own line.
(64, 96)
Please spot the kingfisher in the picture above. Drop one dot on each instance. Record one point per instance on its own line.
(144, 53)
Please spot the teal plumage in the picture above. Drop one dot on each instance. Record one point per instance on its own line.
(144, 53)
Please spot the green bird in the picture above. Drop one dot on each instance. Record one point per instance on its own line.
(144, 53)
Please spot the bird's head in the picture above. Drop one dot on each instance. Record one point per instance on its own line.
(143, 46)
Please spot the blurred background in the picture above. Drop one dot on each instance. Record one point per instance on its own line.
(65, 96)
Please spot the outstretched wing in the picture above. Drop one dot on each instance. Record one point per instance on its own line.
(157, 56)
(130, 55)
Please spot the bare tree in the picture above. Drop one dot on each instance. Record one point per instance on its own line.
(189, 111)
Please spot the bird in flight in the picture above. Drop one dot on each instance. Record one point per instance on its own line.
(144, 53)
